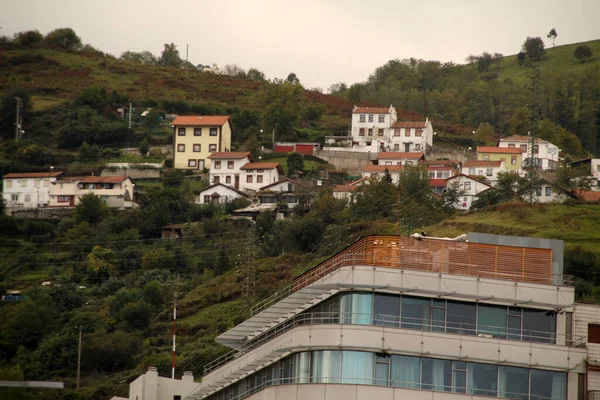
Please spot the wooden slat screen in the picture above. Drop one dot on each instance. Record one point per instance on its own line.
(521, 264)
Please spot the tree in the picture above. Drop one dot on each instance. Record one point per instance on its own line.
(472, 59)
(293, 79)
(170, 56)
(154, 294)
(100, 263)
(234, 70)
(295, 163)
(552, 35)
(521, 57)
(498, 57)
(338, 89)
(64, 38)
(282, 107)
(256, 75)
(144, 147)
(484, 61)
(583, 53)
(534, 47)
(142, 57)
(355, 93)
(29, 38)
(451, 197)
(91, 209)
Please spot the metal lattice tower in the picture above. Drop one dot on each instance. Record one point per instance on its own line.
(249, 269)
(532, 150)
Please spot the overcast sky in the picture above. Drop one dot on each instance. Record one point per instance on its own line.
(322, 41)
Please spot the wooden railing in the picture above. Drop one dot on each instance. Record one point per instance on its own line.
(520, 264)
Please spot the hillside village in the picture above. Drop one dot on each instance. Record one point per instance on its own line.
(180, 232)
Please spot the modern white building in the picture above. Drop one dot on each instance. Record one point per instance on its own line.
(22, 190)
(150, 386)
(412, 318)
(470, 188)
(225, 167)
(546, 153)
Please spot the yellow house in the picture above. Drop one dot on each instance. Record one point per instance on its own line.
(511, 156)
(198, 136)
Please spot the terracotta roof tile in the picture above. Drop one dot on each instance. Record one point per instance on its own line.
(104, 179)
(345, 188)
(230, 155)
(409, 124)
(481, 163)
(397, 155)
(13, 175)
(371, 110)
(263, 165)
(504, 150)
(437, 182)
(201, 120)
(587, 195)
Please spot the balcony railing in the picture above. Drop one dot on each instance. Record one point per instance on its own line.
(519, 264)
(387, 321)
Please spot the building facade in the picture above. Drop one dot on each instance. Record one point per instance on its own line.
(197, 137)
(546, 153)
(255, 175)
(411, 136)
(22, 190)
(371, 126)
(226, 167)
(487, 170)
(511, 157)
(399, 158)
(418, 318)
(116, 191)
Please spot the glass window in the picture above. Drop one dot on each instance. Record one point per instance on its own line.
(548, 191)
(416, 312)
(459, 376)
(406, 131)
(513, 382)
(460, 317)
(471, 171)
(406, 371)
(370, 117)
(437, 374)
(386, 310)
(438, 316)
(357, 308)
(302, 370)
(196, 148)
(382, 369)
(357, 367)
(539, 325)
(491, 320)
(181, 148)
(482, 379)
(212, 147)
(229, 164)
(548, 385)
(213, 131)
(361, 131)
(467, 185)
(514, 323)
(197, 131)
(181, 131)
(381, 118)
(370, 131)
(362, 118)
(326, 366)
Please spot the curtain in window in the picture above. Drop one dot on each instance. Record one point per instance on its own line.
(302, 363)
(416, 313)
(491, 320)
(357, 367)
(358, 308)
(482, 379)
(436, 374)
(513, 382)
(406, 371)
(548, 385)
(326, 366)
(559, 386)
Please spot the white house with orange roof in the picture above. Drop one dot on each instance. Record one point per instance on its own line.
(470, 189)
(371, 126)
(411, 136)
(487, 170)
(218, 193)
(378, 171)
(399, 158)
(346, 191)
(27, 189)
(116, 191)
(255, 175)
(196, 137)
(225, 167)
(546, 153)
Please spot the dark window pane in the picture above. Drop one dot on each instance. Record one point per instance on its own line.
(382, 374)
(593, 333)
(459, 381)
(482, 379)
(438, 322)
(491, 320)
(416, 312)
(539, 325)
(514, 328)
(460, 317)
(513, 382)
(437, 374)
(386, 310)
(548, 385)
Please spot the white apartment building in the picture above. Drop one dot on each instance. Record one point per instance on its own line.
(411, 136)
(546, 152)
(255, 175)
(21, 190)
(470, 187)
(225, 167)
(484, 169)
(116, 191)
(413, 318)
(371, 127)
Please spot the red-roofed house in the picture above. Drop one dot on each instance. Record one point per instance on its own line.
(116, 191)
(345, 191)
(371, 127)
(484, 169)
(378, 171)
(197, 137)
(27, 189)
(512, 157)
(255, 175)
(546, 153)
(470, 187)
(439, 171)
(225, 167)
(415, 136)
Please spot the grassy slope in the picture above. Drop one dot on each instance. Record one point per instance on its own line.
(556, 59)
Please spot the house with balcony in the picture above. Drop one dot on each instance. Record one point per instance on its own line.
(481, 169)
(593, 166)
(26, 190)
(470, 188)
(116, 191)
(226, 167)
(546, 153)
(196, 137)
(475, 317)
(512, 157)
(255, 175)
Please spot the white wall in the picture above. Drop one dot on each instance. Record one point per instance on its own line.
(268, 176)
(30, 192)
(224, 171)
(226, 194)
(150, 386)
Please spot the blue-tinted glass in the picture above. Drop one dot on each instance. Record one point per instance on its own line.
(548, 385)
(459, 381)
(416, 312)
(358, 308)
(326, 366)
(382, 374)
(513, 382)
(438, 322)
(491, 320)
(357, 367)
(436, 374)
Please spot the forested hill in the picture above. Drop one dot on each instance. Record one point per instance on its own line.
(492, 93)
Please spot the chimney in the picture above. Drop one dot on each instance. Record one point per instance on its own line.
(187, 378)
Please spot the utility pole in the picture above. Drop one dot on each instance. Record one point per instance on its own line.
(174, 334)
(186, 59)
(249, 270)
(79, 356)
(19, 118)
(532, 150)
(130, 109)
